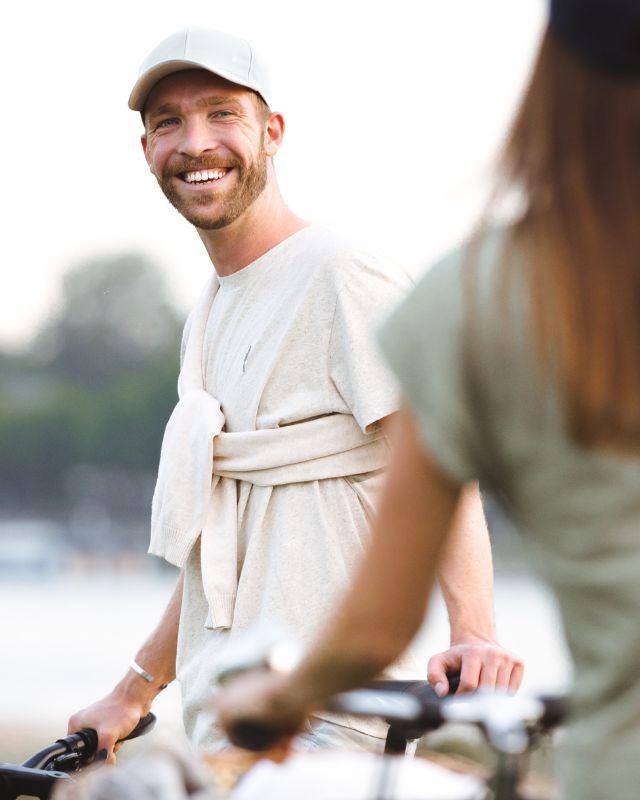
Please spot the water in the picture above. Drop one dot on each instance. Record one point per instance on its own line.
(67, 638)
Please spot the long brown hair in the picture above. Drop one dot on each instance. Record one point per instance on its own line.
(573, 153)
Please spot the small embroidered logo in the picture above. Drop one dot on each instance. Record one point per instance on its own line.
(246, 356)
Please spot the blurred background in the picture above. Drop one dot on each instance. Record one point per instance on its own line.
(394, 112)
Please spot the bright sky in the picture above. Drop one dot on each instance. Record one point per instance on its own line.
(394, 109)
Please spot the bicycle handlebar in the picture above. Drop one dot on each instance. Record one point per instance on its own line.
(143, 727)
(38, 774)
(412, 708)
(78, 749)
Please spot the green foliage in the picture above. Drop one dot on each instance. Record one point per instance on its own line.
(114, 317)
(97, 384)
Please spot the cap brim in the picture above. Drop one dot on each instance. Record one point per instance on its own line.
(146, 82)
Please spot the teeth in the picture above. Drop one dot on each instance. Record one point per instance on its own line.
(205, 175)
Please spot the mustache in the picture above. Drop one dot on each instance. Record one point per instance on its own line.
(183, 165)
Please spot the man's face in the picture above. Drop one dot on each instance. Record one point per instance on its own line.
(204, 141)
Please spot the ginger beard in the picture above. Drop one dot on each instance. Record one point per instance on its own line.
(220, 207)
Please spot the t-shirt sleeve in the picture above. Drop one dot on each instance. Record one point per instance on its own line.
(356, 366)
(422, 340)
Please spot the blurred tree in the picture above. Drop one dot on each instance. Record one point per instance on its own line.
(94, 388)
(114, 317)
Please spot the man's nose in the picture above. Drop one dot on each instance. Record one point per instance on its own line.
(197, 138)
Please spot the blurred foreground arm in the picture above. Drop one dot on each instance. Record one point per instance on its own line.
(117, 714)
(368, 632)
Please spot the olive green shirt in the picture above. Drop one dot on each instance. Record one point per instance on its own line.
(462, 347)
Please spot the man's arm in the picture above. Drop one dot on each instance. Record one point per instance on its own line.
(117, 714)
(466, 580)
(465, 576)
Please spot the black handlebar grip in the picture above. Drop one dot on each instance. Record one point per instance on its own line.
(254, 735)
(145, 725)
(454, 682)
(555, 711)
(90, 738)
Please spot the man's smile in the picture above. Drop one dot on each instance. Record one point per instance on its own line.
(203, 176)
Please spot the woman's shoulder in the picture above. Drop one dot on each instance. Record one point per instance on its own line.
(477, 260)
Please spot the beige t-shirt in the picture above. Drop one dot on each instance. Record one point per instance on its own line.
(289, 338)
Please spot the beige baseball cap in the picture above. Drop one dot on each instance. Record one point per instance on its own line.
(191, 48)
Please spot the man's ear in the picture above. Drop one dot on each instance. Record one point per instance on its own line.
(273, 134)
(145, 149)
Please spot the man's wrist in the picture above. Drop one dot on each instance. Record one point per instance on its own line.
(472, 635)
(147, 676)
(137, 691)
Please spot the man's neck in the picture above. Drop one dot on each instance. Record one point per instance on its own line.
(265, 224)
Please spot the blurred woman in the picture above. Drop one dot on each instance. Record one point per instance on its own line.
(519, 358)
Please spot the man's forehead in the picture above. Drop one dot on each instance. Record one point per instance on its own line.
(190, 82)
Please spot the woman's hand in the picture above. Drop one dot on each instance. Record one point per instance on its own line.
(258, 711)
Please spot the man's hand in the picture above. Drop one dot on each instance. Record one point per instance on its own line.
(113, 718)
(117, 714)
(480, 664)
(257, 711)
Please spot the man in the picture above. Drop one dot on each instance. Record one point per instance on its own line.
(272, 459)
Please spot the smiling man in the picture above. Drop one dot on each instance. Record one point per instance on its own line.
(273, 457)
(237, 165)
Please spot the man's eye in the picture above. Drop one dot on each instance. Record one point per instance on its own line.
(166, 123)
(222, 114)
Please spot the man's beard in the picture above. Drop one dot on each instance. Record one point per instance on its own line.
(229, 205)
